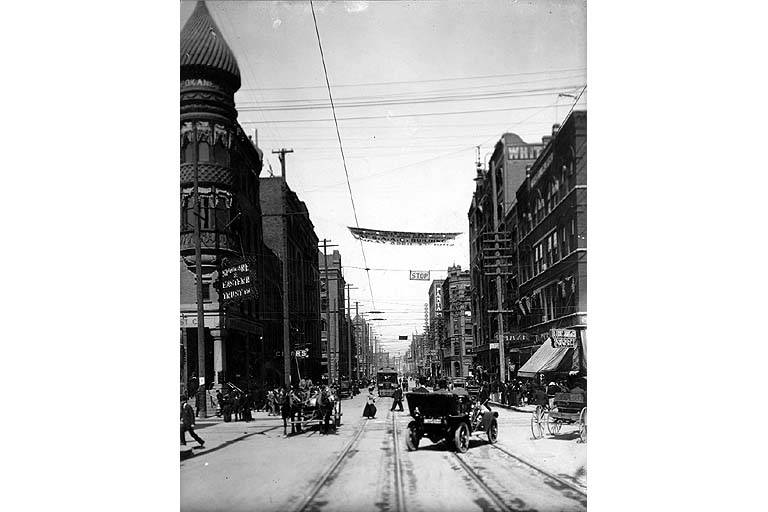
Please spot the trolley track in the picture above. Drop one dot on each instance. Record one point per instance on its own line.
(538, 469)
(398, 477)
(304, 506)
(496, 499)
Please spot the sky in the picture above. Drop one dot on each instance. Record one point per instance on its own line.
(496, 65)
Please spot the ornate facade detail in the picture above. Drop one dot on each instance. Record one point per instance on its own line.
(207, 173)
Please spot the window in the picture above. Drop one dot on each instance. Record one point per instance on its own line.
(563, 242)
(204, 152)
(206, 291)
(572, 238)
(555, 248)
(549, 251)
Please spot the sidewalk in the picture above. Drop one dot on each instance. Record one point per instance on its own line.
(523, 408)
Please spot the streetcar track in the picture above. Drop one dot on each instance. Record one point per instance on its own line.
(545, 473)
(475, 476)
(399, 487)
(304, 506)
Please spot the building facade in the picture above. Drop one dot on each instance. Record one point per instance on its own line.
(457, 323)
(492, 251)
(289, 233)
(552, 247)
(215, 149)
(335, 356)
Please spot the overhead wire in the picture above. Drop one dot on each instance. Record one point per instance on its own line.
(341, 146)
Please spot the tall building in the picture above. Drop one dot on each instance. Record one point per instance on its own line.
(492, 252)
(215, 149)
(289, 232)
(332, 308)
(457, 321)
(552, 246)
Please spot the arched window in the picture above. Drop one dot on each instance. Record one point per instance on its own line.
(189, 152)
(204, 152)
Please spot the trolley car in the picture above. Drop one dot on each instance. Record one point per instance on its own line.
(386, 381)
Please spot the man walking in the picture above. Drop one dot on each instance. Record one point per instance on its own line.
(188, 423)
(397, 399)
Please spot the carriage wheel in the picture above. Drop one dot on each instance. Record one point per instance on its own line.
(583, 425)
(412, 440)
(461, 438)
(537, 418)
(493, 432)
(553, 425)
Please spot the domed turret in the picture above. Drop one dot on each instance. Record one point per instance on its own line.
(204, 52)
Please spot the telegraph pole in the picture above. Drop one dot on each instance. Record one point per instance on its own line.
(282, 153)
(500, 315)
(202, 411)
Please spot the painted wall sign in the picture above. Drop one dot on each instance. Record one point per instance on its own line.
(525, 151)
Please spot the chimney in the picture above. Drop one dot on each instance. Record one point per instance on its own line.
(555, 129)
(545, 139)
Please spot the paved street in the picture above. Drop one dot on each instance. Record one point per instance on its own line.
(365, 466)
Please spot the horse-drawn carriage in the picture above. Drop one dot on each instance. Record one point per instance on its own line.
(315, 408)
(452, 417)
(567, 409)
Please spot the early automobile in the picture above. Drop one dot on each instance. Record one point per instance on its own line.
(449, 416)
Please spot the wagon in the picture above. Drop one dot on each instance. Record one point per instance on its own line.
(310, 413)
(452, 417)
(567, 409)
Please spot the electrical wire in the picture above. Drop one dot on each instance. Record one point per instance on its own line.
(341, 146)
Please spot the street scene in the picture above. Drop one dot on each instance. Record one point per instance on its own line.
(383, 256)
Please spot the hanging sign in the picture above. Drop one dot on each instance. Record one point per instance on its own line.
(238, 281)
(563, 338)
(419, 275)
(402, 237)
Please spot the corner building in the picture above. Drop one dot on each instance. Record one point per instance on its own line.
(227, 163)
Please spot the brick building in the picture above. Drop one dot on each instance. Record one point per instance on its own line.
(490, 214)
(552, 220)
(457, 342)
(334, 342)
(289, 232)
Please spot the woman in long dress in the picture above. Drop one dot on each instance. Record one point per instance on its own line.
(370, 408)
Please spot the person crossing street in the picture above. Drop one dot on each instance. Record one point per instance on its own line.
(397, 399)
(187, 423)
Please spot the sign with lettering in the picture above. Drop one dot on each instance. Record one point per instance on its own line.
(563, 338)
(524, 152)
(238, 281)
(402, 237)
(517, 336)
(419, 275)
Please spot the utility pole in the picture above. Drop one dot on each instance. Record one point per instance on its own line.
(500, 315)
(360, 350)
(202, 411)
(286, 291)
(282, 153)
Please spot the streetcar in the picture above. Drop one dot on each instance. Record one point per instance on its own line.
(386, 381)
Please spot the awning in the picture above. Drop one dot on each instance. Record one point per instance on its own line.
(546, 359)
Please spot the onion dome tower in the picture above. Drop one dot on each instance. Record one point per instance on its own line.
(209, 79)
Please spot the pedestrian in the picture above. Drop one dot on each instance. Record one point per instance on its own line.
(397, 399)
(187, 423)
(325, 405)
(219, 407)
(370, 408)
(287, 414)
